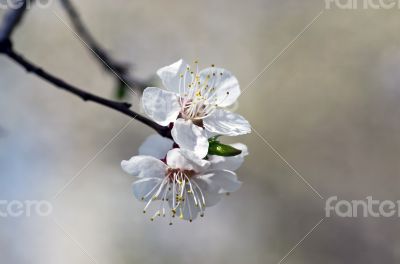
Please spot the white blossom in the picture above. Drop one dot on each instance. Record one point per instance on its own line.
(194, 101)
(182, 184)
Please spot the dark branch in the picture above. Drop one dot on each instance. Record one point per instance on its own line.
(11, 20)
(118, 106)
(117, 68)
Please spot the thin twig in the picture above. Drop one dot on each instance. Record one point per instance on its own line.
(118, 69)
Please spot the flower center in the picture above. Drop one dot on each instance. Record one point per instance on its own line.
(187, 173)
(197, 93)
(180, 191)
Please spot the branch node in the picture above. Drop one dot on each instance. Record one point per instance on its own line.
(5, 46)
(127, 105)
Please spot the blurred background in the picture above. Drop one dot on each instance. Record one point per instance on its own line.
(329, 106)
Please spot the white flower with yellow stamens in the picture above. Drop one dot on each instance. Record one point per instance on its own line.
(183, 185)
(194, 102)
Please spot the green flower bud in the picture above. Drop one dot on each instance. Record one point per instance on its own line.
(219, 149)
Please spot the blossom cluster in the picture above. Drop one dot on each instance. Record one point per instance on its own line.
(193, 170)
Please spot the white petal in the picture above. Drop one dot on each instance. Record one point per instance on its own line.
(190, 137)
(156, 146)
(226, 123)
(144, 189)
(160, 105)
(210, 191)
(226, 86)
(170, 76)
(144, 167)
(226, 181)
(185, 160)
(200, 164)
(229, 163)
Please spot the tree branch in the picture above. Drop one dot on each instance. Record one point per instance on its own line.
(117, 68)
(11, 20)
(85, 96)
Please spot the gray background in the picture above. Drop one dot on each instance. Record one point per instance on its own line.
(329, 105)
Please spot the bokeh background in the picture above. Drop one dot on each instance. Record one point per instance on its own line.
(329, 105)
